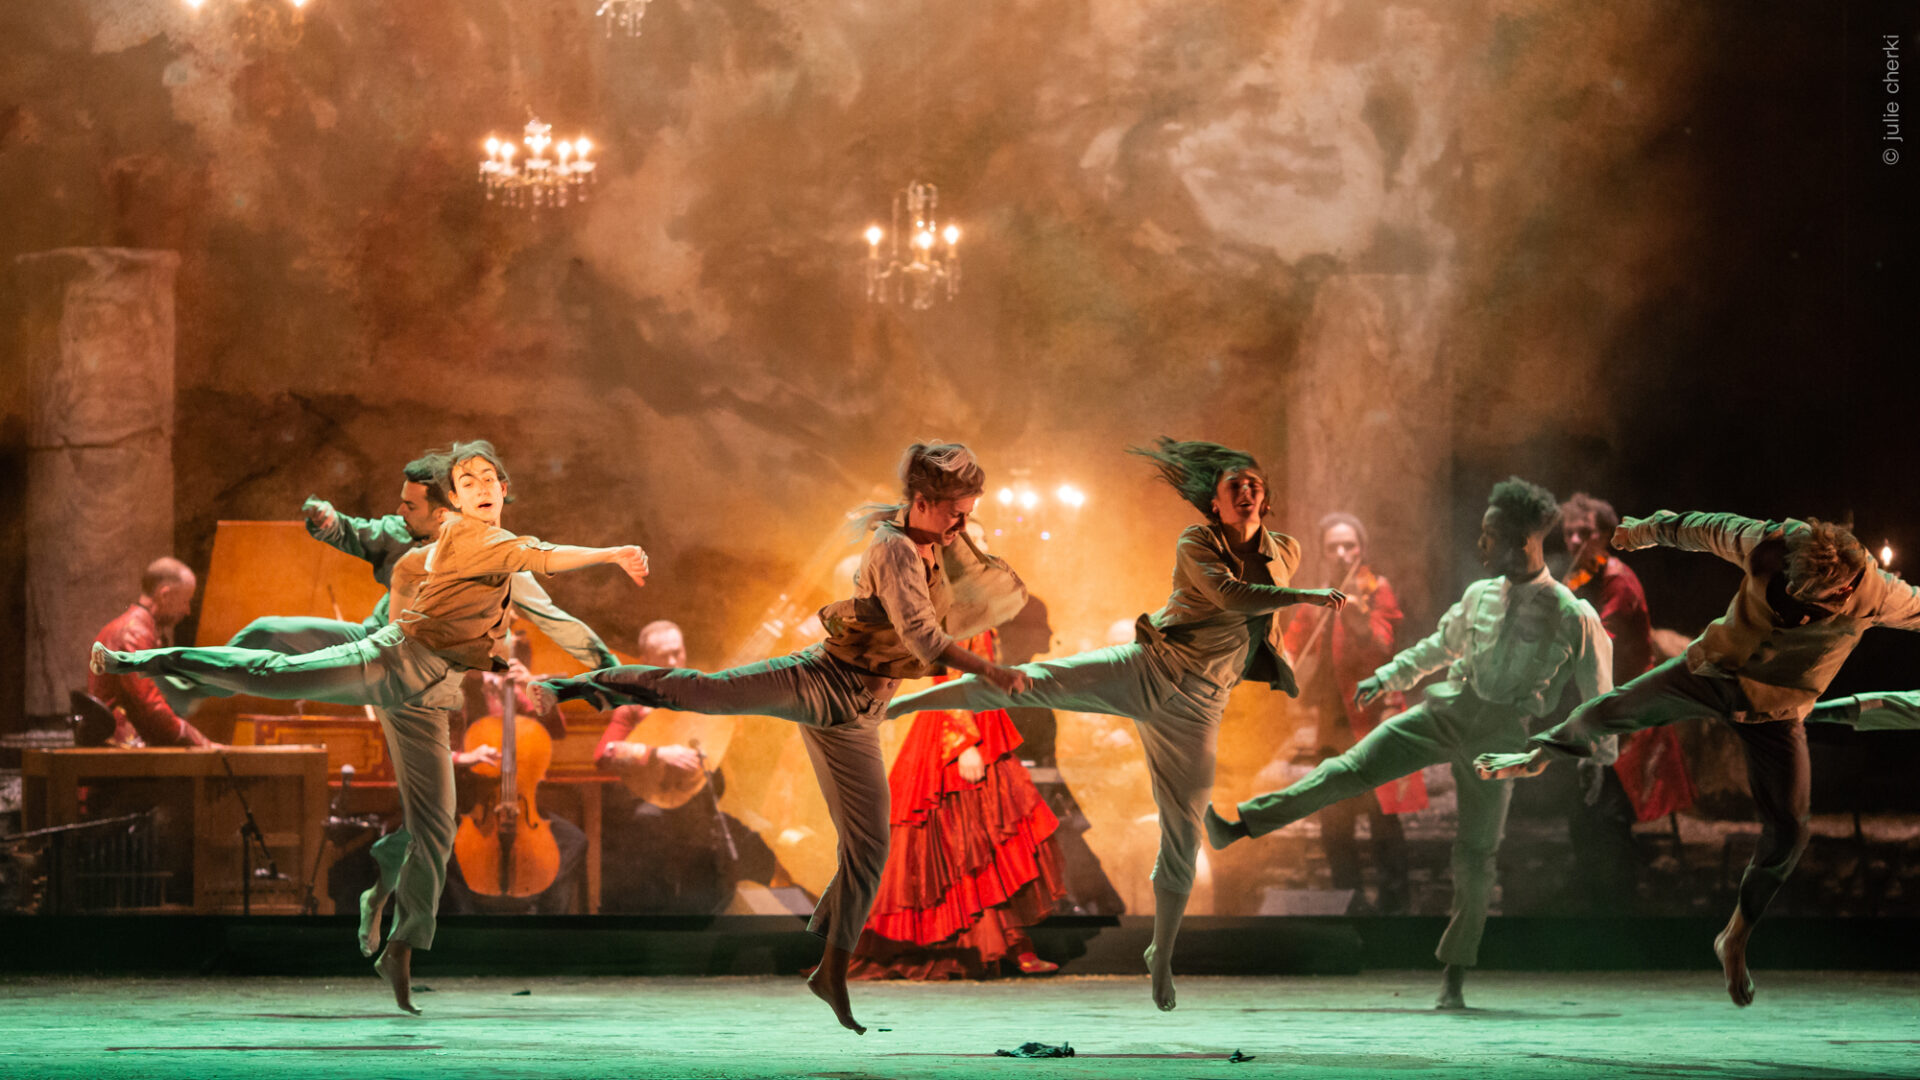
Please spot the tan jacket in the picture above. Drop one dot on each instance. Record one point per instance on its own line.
(1215, 617)
(458, 605)
(1783, 669)
(904, 614)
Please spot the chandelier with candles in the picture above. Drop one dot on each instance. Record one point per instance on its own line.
(622, 15)
(537, 181)
(920, 264)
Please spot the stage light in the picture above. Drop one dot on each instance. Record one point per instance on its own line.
(1071, 495)
(1029, 500)
(1006, 496)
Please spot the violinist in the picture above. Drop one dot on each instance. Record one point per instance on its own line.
(1649, 780)
(1331, 652)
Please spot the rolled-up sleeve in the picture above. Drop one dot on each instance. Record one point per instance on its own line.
(1729, 536)
(898, 578)
(1214, 578)
(572, 635)
(1433, 652)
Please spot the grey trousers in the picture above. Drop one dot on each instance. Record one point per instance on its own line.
(1443, 728)
(1779, 773)
(1176, 713)
(412, 690)
(839, 711)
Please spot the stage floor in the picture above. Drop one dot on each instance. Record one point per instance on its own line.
(1831, 1025)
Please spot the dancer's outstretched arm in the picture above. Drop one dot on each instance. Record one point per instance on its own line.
(1729, 536)
(568, 632)
(1211, 574)
(374, 540)
(1447, 643)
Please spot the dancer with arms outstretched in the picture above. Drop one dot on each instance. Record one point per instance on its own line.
(451, 618)
(1808, 592)
(1510, 647)
(1216, 630)
(921, 590)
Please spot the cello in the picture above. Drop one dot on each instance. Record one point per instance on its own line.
(505, 848)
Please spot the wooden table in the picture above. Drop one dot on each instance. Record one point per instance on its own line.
(285, 785)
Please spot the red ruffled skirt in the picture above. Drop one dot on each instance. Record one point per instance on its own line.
(970, 863)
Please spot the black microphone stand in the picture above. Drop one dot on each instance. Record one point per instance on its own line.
(250, 835)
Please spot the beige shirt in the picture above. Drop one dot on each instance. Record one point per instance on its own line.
(1515, 645)
(904, 613)
(1783, 669)
(1215, 617)
(453, 596)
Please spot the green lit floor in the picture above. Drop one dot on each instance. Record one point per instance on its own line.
(1805, 1024)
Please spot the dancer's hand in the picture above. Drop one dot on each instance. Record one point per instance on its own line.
(1511, 766)
(1368, 689)
(972, 767)
(319, 513)
(1623, 535)
(1326, 598)
(1012, 680)
(683, 759)
(634, 562)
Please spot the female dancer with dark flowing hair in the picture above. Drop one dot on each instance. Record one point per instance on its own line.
(922, 589)
(1217, 628)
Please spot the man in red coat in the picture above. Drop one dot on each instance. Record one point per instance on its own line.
(1332, 652)
(140, 713)
(1652, 767)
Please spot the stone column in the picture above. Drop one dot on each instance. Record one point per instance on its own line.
(1370, 431)
(98, 345)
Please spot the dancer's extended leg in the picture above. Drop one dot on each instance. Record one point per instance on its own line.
(853, 778)
(1419, 737)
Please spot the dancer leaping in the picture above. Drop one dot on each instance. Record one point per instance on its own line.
(1810, 590)
(1217, 629)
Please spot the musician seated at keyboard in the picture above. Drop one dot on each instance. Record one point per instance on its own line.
(664, 848)
(484, 698)
(141, 715)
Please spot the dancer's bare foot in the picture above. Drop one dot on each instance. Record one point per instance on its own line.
(1731, 947)
(1220, 831)
(1162, 973)
(541, 696)
(395, 966)
(829, 983)
(1511, 766)
(97, 659)
(1453, 982)
(373, 904)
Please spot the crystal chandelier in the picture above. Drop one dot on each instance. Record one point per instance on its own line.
(538, 181)
(923, 270)
(622, 15)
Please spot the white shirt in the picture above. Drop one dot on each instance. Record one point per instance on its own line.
(1512, 645)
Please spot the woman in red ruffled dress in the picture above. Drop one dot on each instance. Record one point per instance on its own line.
(973, 860)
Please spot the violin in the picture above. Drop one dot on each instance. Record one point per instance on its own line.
(1360, 583)
(505, 848)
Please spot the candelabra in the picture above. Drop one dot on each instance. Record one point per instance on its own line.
(918, 273)
(622, 15)
(538, 181)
